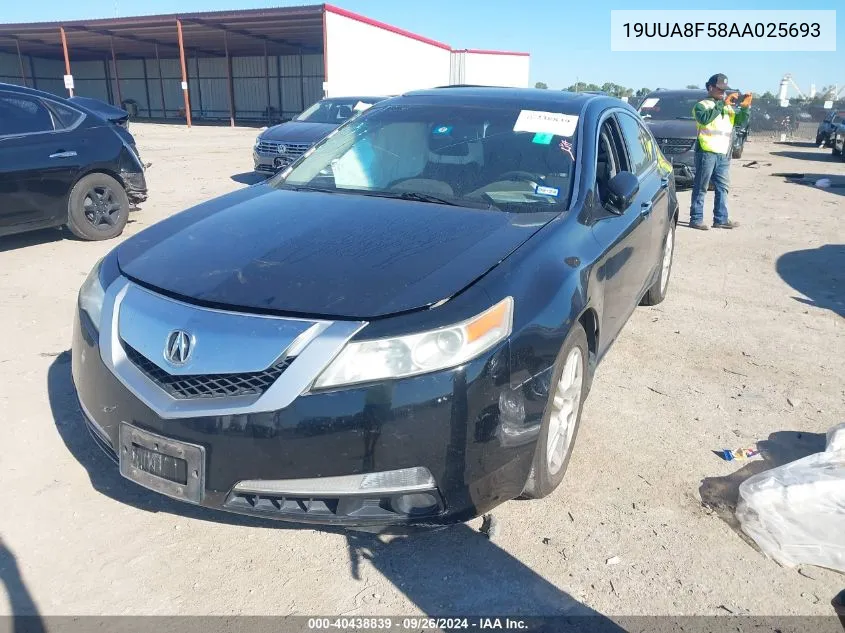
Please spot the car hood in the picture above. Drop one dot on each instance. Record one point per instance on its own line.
(297, 132)
(672, 129)
(322, 254)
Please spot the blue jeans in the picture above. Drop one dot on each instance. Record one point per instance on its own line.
(716, 167)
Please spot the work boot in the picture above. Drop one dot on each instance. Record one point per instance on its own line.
(730, 224)
(699, 225)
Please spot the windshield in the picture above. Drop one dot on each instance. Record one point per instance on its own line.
(334, 111)
(668, 107)
(447, 154)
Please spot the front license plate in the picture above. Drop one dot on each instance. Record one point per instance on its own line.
(172, 468)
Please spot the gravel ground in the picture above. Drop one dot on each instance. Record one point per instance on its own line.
(748, 346)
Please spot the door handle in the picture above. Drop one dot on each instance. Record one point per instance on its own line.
(70, 154)
(664, 182)
(646, 208)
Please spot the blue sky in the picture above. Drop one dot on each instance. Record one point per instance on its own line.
(567, 39)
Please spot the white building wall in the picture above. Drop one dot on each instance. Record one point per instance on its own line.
(364, 58)
(494, 69)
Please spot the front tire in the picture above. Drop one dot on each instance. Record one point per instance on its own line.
(657, 293)
(98, 208)
(561, 417)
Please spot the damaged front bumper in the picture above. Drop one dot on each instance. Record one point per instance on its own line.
(423, 451)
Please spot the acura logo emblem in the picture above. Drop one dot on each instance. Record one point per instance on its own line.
(178, 348)
(282, 149)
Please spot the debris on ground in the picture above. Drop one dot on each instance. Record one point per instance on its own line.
(793, 402)
(740, 454)
(796, 512)
(613, 560)
(490, 526)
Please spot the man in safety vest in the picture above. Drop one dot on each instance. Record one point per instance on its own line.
(715, 118)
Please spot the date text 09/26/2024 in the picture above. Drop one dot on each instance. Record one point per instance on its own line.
(415, 624)
(722, 29)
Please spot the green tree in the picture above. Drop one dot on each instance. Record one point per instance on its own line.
(541, 85)
(692, 87)
(642, 92)
(580, 86)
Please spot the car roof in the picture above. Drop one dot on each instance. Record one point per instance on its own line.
(28, 91)
(354, 97)
(535, 98)
(687, 92)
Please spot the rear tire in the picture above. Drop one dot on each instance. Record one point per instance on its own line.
(562, 416)
(835, 151)
(98, 208)
(657, 293)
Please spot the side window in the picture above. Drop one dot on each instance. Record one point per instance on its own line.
(610, 159)
(638, 141)
(64, 116)
(21, 114)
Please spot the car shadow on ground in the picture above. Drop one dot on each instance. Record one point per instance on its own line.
(454, 570)
(31, 238)
(22, 608)
(458, 571)
(817, 155)
(248, 178)
(721, 494)
(818, 274)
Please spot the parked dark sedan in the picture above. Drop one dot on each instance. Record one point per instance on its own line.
(401, 327)
(668, 114)
(62, 164)
(280, 145)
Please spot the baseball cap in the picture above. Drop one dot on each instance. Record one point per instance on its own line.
(720, 81)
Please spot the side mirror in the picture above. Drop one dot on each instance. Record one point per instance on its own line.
(622, 190)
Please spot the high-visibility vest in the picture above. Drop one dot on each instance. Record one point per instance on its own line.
(716, 136)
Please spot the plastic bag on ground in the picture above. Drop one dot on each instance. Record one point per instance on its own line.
(796, 512)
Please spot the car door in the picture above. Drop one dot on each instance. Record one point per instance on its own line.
(624, 237)
(653, 198)
(39, 159)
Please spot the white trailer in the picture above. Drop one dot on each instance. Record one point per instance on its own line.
(490, 68)
(363, 56)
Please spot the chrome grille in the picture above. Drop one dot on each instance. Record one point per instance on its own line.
(291, 151)
(675, 145)
(208, 385)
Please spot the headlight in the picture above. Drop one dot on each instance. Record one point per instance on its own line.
(257, 141)
(92, 294)
(367, 361)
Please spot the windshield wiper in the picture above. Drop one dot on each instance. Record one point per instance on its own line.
(684, 118)
(416, 196)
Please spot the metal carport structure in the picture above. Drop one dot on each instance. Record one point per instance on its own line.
(246, 65)
(261, 65)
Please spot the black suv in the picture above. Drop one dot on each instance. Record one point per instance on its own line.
(668, 114)
(63, 164)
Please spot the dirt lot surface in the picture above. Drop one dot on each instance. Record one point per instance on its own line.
(748, 346)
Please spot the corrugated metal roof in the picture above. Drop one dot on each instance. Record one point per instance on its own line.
(282, 30)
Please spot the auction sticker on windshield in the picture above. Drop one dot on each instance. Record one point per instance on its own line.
(649, 103)
(546, 123)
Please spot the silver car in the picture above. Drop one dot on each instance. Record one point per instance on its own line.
(280, 145)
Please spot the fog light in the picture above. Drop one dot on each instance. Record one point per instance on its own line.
(415, 504)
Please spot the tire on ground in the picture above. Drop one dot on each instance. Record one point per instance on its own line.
(77, 221)
(657, 292)
(540, 481)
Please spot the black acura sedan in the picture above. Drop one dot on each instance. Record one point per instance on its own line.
(400, 328)
(61, 163)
